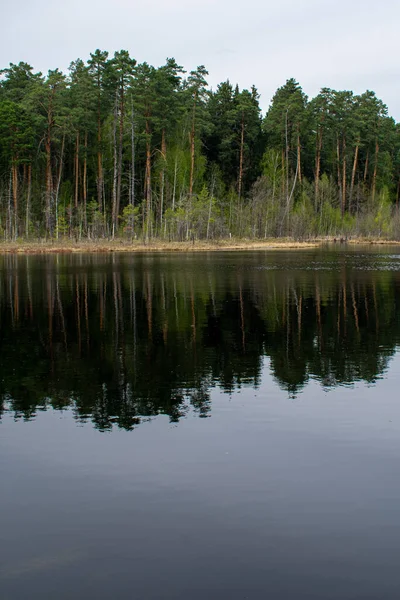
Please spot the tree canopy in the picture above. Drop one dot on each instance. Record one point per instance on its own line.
(116, 147)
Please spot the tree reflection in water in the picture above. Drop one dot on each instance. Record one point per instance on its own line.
(118, 339)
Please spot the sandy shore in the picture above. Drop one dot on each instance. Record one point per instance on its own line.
(70, 246)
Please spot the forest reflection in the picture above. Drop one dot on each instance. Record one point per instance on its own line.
(118, 339)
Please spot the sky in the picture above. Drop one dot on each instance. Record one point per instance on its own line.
(341, 44)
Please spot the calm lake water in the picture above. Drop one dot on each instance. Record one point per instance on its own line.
(207, 426)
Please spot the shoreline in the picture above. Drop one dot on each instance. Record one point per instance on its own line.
(104, 246)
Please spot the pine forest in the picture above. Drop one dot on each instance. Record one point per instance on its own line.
(114, 148)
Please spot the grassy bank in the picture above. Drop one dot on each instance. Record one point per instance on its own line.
(70, 246)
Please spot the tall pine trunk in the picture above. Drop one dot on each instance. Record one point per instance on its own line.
(28, 200)
(317, 165)
(115, 175)
(84, 184)
(283, 173)
(132, 196)
(58, 183)
(287, 155)
(375, 169)
(298, 154)
(76, 169)
(174, 184)
(240, 179)
(49, 176)
(148, 176)
(338, 174)
(162, 175)
(49, 185)
(192, 145)
(49, 180)
(366, 167)
(353, 173)
(344, 176)
(14, 170)
(120, 147)
(99, 153)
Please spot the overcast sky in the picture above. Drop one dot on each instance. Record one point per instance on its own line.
(342, 44)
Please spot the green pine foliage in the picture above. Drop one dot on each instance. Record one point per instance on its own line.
(116, 148)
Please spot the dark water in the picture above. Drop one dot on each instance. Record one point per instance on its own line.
(203, 426)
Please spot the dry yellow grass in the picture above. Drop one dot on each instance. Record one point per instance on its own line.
(70, 246)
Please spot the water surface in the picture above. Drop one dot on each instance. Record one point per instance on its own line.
(221, 425)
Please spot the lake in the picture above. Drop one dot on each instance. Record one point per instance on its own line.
(207, 425)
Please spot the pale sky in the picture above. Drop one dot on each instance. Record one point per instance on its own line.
(342, 44)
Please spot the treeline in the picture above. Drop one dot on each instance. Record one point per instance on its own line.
(117, 341)
(120, 148)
